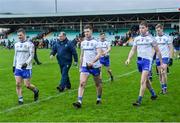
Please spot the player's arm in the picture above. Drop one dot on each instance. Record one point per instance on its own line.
(74, 53)
(14, 61)
(53, 51)
(108, 50)
(81, 57)
(31, 54)
(171, 49)
(99, 51)
(131, 53)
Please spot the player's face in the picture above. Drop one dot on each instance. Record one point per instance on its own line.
(102, 37)
(159, 31)
(143, 29)
(88, 33)
(21, 36)
(61, 37)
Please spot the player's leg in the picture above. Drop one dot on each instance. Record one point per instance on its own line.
(164, 78)
(82, 84)
(32, 88)
(26, 76)
(19, 89)
(110, 72)
(98, 83)
(144, 65)
(151, 90)
(18, 78)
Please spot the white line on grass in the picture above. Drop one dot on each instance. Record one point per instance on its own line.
(50, 97)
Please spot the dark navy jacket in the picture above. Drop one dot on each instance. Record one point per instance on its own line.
(64, 50)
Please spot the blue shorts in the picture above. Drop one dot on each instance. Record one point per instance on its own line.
(24, 73)
(143, 64)
(105, 61)
(165, 60)
(93, 71)
(177, 48)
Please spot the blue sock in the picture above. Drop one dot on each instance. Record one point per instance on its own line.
(162, 86)
(140, 99)
(99, 97)
(152, 92)
(80, 99)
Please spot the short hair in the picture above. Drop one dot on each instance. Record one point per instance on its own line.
(102, 33)
(159, 26)
(144, 23)
(63, 33)
(21, 30)
(88, 27)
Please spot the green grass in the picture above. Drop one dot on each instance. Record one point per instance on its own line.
(116, 100)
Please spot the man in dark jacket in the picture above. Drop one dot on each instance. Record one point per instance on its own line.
(64, 50)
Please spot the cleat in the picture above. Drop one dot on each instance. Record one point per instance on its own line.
(98, 102)
(154, 97)
(36, 95)
(60, 89)
(137, 103)
(163, 92)
(112, 78)
(20, 102)
(77, 105)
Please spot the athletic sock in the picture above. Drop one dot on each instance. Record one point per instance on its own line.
(80, 99)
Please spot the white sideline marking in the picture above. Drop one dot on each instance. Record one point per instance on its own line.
(50, 97)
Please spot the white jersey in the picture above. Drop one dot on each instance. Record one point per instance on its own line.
(163, 42)
(104, 46)
(24, 53)
(89, 48)
(145, 46)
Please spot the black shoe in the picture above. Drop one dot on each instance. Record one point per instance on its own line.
(68, 87)
(98, 102)
(137, 103)
(154, 97)
(112, 78)
(39, 63)
(163, 92)
(36, 95)
(77, 105)
(60, 89)
(20, 102)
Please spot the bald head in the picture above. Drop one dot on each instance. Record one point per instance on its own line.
(62, 36)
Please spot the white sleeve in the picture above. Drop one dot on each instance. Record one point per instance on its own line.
(31, 53)
(135, 42)
(98, 44)
(170, 40)
(14, 61)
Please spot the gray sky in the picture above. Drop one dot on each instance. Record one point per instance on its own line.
(48, 6)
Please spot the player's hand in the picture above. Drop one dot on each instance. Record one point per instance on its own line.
(104, 53)
(51, 57)
(127, 61)
(89, 65)
(24, 66)
(170, 62)
(75, 63)
(13, 69)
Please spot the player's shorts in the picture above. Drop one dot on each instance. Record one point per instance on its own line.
(24, 73)
(93, 71)
(177, 48)
(143, 64)
(105, 61)
(165, 60)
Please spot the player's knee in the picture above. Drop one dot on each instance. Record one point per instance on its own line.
(28, 86)
(82, 84)
(98, 82)
(18, 84)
